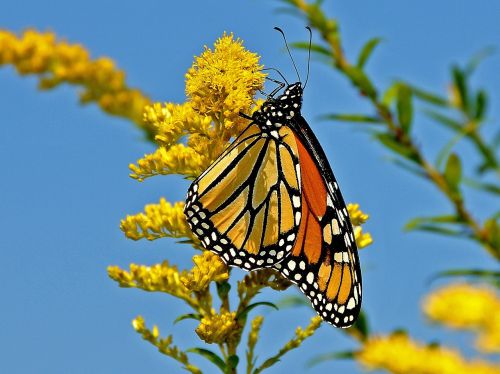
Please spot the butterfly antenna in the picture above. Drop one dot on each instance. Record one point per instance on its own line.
(277, 71)
(309, 56)
(289, 53)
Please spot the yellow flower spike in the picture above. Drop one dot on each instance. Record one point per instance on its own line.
(157, 278)
(58, 62)
(462, 306)
(356, 215)
(208, 268)
(218, 328)
(158, 221)
(362, 239)
(222, 82)
(398, 354)
(177, 159)
(173, 121)
(164, 345)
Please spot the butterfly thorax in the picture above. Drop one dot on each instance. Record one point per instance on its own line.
(276, 112)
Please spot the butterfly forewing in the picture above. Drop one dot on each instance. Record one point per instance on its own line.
(246, 205)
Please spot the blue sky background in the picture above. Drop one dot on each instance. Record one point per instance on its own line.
(65, 185)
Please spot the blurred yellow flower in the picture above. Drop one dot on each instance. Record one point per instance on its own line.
(208, 268)
(398, 354)
(358, 217)
(58, 62)
(218, 328)
(463, 306)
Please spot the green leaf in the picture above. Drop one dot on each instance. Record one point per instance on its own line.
(447, 148)
(360, 80)
(362, 325)
(478, 58)
(390, 94)
(414, 169)
(492, 229)
(453, 171)
(429, 97)
(416, 223)
(441, 230)
(188, 316)
(391, 143)
(444, 120)
(232, 363)
(366, 51)
(210, 356)
(404, 107)
(267, 364)
(243, 314)
(223, 289)
(360, 118)
(481, 104)
(293, 301)
(314, 48)
(330, 357)
(483, 186)
(460, 82)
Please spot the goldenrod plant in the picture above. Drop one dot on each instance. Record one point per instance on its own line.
(222, 82)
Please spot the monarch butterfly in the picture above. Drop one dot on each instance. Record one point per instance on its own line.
(271, 200)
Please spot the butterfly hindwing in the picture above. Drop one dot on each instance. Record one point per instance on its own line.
(324, 261)
(246, 205)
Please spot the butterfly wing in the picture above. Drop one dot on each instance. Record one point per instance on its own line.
(324, 261)
(246, 205)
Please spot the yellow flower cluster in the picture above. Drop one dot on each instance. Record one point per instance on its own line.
(58, 62)
(158, 221)
(462, 306)
(208, 268)
(223, 82)
(220, 84)
(398, 354)
(218, 328)
(358, 217)
(165, 345)
(157, 278)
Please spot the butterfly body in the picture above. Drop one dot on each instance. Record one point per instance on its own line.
(271, 200)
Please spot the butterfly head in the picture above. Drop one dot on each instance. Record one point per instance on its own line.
(276, 112)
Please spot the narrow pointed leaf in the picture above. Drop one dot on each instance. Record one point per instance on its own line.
(330, 357)
(453, 171)
(404, 107)
(481, 105)
(389, 141)
(444, 120)
(429, 97)
(415, 223)
(210, 356)
(314, 48)
(345, 117)
(483, 186)
(460, 82)
(188, 316)
(293, 301)
(243, 314)
(232, 362)
(478, 58)
(366, 51)
(360, 80)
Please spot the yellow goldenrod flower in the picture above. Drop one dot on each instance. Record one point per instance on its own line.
(223, 82)
(357, 216)
(177, 159)
(218, 328)
(165, 345)
(462, 306)
(208, 268)
(398, 354)
(58, 62)
(157, 278)
(158, 221)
